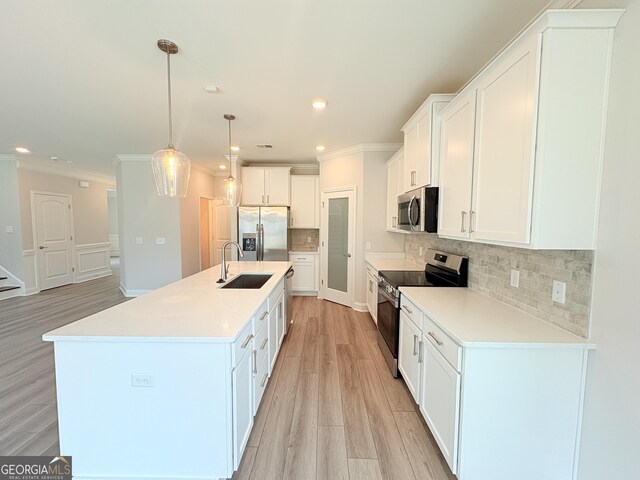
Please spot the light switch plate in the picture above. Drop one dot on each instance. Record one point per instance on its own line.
(515, 278)
(8, 229)
(559, 291)
(161, 241)
(139, 241)
(368, 246)
(142, 380)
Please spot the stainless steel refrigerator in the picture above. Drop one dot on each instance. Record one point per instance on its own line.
(262, 232)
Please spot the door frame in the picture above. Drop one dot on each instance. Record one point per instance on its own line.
(34, 233)
(351, 192)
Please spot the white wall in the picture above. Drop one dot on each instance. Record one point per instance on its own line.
(10, 243)
(611, 425)
(142, 213)
(201, 184)
(367, 172)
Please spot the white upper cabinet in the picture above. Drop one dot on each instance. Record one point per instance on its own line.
(421, 144)
(394, 186)
(305, 196)
(456, 166)
(267, 186)
(531, 175)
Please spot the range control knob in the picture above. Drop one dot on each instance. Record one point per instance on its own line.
(389, 289)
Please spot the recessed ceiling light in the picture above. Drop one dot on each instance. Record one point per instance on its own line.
(22, 150)
(55, 159)
(211, 89)
(319, 104)
(223, 167)
(235, 148)
(320, 148)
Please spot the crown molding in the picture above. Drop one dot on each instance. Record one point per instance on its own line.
(64, 171)
(130, 158)
(360, 148)
(8, 157)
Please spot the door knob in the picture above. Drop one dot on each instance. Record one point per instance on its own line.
(41, 247)
(348, 255)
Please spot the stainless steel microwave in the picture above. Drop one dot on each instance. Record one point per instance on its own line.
(418, 210)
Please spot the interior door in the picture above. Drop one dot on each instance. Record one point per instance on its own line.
(205, 236)
(338, 227)
(223, 227)
(54, 240)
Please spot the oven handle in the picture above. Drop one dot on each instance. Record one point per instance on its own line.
(394, 301)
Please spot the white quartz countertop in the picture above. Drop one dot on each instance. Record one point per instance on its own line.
(193, 309)
(476, 320)
(393, 264)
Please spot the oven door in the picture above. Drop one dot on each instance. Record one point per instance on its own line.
(388, 320)
(410, 211)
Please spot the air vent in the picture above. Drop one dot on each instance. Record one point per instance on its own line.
(264, 145)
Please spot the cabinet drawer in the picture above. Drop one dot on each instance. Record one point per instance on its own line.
(273, 296)
(372, 271)
(261, 338)
(260, 318)
(302, 258)
(411, 311)
(243, 344)
(443, 343)
(261, 378)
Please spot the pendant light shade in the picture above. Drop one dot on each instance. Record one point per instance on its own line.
(232, 195)
(171, 168)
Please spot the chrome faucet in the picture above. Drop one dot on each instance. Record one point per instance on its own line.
(224, 268)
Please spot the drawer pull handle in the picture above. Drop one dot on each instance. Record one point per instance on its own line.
(255, 362)
(462, 214)
(264, 380)
(246, 342)
(420, 349)
(264, 315)
(264, 343)
(432, 335)
(415, 345)
(410, 312)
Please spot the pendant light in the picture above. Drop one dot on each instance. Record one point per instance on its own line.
(231, 186)
(171, 168)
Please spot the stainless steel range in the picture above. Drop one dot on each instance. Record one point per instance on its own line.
(441, 270)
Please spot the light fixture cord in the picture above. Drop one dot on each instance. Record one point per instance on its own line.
(169, 98)
(230, 175)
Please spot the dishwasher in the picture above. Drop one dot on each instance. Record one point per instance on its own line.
(288, 291)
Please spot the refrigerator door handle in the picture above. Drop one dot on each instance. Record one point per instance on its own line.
(261, 241)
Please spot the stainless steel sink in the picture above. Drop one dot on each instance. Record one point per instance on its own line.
(248, 281)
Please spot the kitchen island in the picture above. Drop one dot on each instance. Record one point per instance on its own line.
(167, 384)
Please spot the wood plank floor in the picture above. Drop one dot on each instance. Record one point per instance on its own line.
(28, 414)
(331, 409)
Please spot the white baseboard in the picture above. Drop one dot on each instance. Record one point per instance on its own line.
(360, 307)
(132, 293)
(304, 294)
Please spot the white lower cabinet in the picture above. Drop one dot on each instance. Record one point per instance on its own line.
(410, 355)
(305, 278)
(440, 401)
(242, 379)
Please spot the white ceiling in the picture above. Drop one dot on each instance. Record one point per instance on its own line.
(84, 80)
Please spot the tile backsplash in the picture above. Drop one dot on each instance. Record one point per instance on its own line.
(298, 239)
(490, 270)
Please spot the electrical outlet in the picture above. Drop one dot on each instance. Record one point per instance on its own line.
(308, 239)
(559, 291)
(368, 246)
(139, 241)
(420, 251)
(8, 229)
(142, 380)
(515, 278)
(161, 241)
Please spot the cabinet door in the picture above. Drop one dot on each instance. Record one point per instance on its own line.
(504, 150)
(410, 152)
(242, 378)
(410, 355)
(392, 194)
(282, 318)
(274, 343)
(303, 201)
(372, 293)
(456, 166)
(253, 186)
(277, 186)
(423, 151)
(304, 278)
(440, 402)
